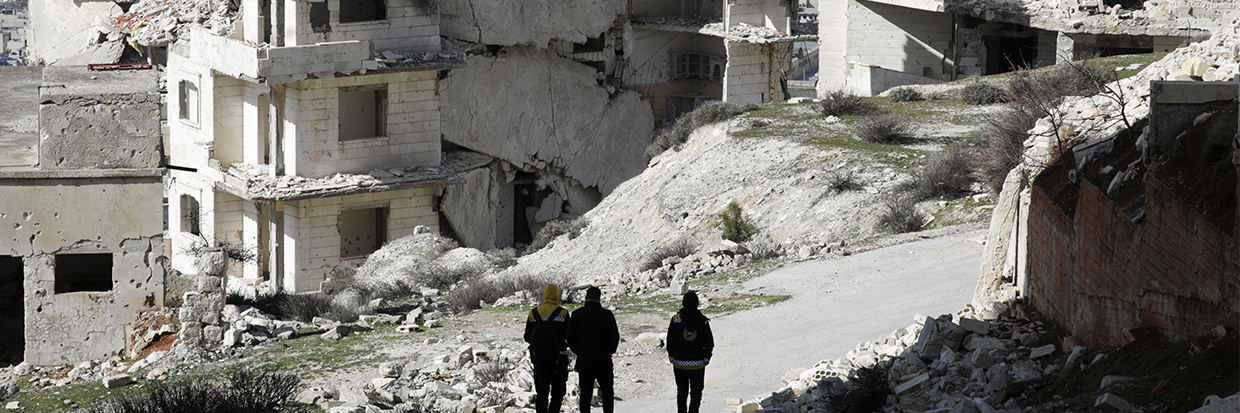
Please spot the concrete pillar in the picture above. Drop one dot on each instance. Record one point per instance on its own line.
(290, 244)
(1064, 48)
(832, 43)
(250, 238)
(289, 13)
(290, 113)
(252, 21)
(251, 142)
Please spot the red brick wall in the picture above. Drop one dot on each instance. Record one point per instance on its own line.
(1097, 273)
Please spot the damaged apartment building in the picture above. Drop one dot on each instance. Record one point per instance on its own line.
(293, 138)
(81, 189)
(879, 44)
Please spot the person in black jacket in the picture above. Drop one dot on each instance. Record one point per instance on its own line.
(546, 330)
(594, 336)
(689, 347)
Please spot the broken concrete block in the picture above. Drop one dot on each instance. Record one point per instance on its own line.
(748, 407)
(1110, 380)
(337, 333)
(912, 384)
(8, 389)
(1196, 66)
(13, 406)
(1039, 352)
(984, 343)
(118, 380)
(975, 326)
(1213, 404)
(1110, 403)
(981, 359)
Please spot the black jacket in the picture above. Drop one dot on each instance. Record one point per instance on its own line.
(689, 340)
(550, 311)
(593, 335)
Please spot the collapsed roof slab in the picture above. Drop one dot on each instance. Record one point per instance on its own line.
(255, 183)
(1181, 18)
(740, 33)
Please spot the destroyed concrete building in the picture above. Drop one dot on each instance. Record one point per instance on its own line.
(879, 44)
(294, 139)
(1130, 220)
(685, 53)
(82, 252)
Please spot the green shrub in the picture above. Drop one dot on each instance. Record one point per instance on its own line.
(469, 295)
(905, 94)
(900, 215)
(681, 247)
(886, 129)
(736, 227)
(983, 94)
(843, 182)
(843, 103)
(678, 134)
(303, 307)
(553, 229)
(948, 175)
(240, 390)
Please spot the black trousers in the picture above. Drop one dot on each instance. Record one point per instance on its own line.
(689, 385)
(604, 375)
(550, 379)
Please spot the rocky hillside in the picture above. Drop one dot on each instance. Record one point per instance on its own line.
(777, 163)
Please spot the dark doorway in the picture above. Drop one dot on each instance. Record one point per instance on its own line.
(12, 319)
(1006, 54)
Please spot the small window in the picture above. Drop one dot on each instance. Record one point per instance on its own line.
(363, 114)
(320, 17)
(189, 101)
(83, 272)
(362, 231)
(191, 215)
(353, 11)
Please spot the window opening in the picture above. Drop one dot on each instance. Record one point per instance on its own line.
(362, 231)
(191, 215)
(353, 11)
(189, 101)
(83, 272)
(363, 114)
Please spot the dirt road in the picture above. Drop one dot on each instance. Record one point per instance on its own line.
(835, 304)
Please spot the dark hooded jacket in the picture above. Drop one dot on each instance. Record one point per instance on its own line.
(690, 343)
(549, 311)
(593, 336)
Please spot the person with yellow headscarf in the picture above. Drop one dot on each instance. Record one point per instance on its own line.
(546, 330)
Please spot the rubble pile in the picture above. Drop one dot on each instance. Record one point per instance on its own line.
(1100, 117)
(161, 22)
(675, 272)
(972, 361)
(1155, 17)
(951, 363)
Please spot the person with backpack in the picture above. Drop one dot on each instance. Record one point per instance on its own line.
(593, 336)
(546, 330)
(689, 347)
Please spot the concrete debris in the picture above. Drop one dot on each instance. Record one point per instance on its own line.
(740, 32)
(1214, 404)
(254, 182)
(1153, 18)
(650, 339)
(119, 380)
(161, 22)
(942, 380)
(1110, 403)
(8, 389)
(13, 405)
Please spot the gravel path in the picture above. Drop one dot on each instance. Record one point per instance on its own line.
(835, 304)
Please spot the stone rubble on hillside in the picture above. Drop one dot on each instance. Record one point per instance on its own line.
(675, 272)
(961, 362)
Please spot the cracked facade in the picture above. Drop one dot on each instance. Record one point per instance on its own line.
(82, 252)
(880, 44)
